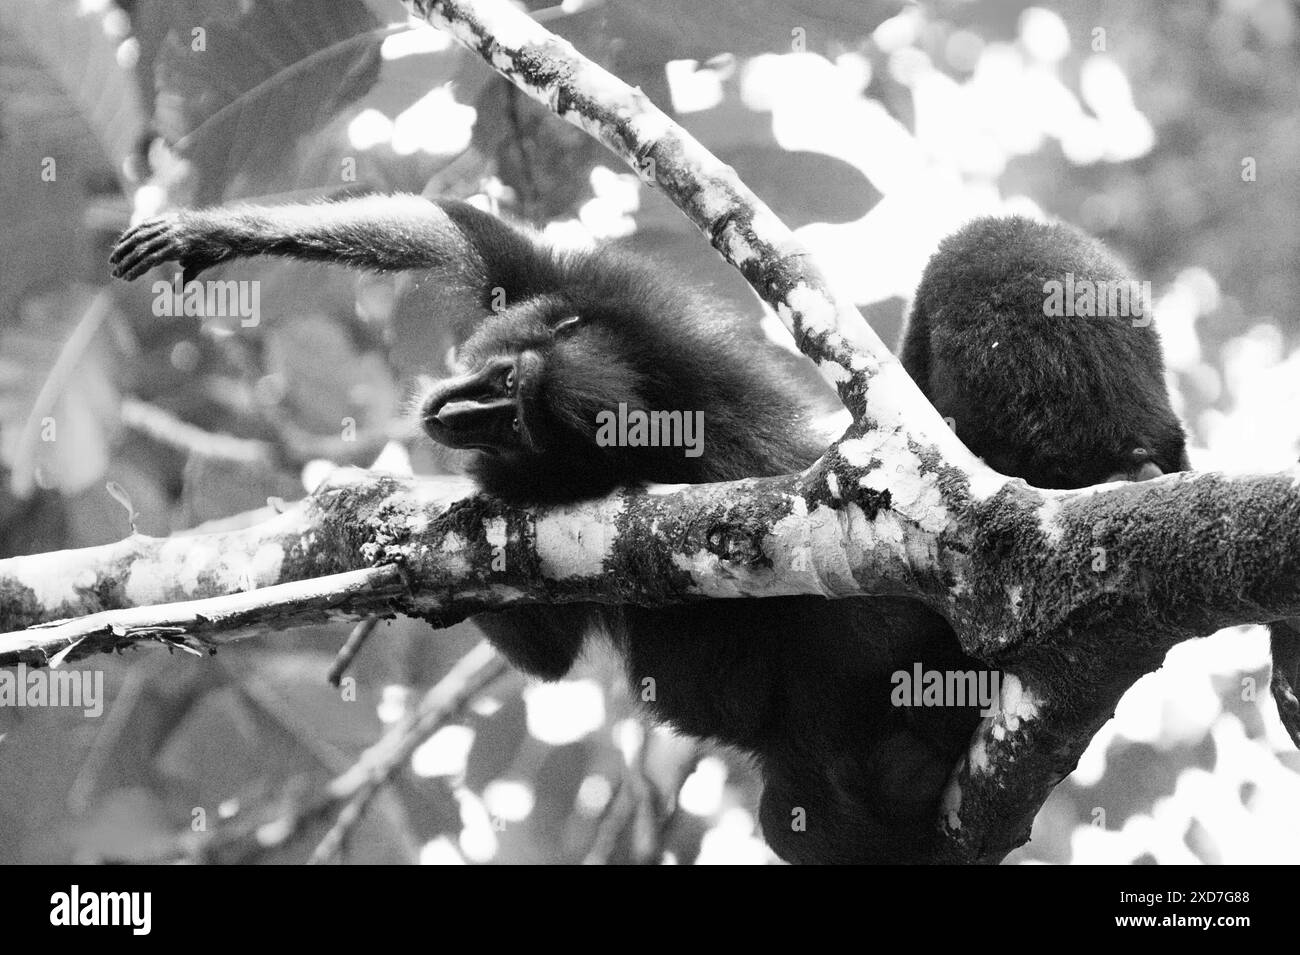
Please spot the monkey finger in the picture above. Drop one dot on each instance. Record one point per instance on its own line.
(138, 233)
(145, 257)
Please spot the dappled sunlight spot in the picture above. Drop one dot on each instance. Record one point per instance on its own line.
(1230, 830)
(369, 128)
(1226, 652)
(1104, 87)
(945, 128)
(733, 841)
(1229, 814)
(1139, 836)
(440, 851)
(628, 736)
(693, 89)
(909, 65)
(415, 42)
(569, 233)
(608, 214)
(394, 699)
(945, 174)
(1174, 706)
(897, 238)
(435, 124)
(1176, 312)
(901, 30)
(1044, 35)
(1260, 430)
(594, 795)
(770, 78)
(478, 838)
(1092, 764)
(315, 472)
(701, 794)
(565, 711)
(854, 71)
(509, 799)
(445, 753)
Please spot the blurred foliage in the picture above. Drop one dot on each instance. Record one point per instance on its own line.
(874, 128)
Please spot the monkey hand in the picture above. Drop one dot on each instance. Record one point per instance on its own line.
(187, 238)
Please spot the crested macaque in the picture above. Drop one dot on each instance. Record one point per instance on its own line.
(1061, 401)
(804, 683)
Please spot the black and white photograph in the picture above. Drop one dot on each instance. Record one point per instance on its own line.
(651, 432)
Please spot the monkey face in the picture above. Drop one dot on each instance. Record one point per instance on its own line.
(534, 380)
(481, 410)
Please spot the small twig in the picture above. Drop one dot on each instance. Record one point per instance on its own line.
(348, 652)
(612, 822)
(445, 701)
(202, 625)
(165, 428)
(23, 464)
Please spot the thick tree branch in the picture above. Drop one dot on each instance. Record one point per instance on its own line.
(1013, 569)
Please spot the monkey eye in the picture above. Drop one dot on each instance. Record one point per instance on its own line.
(510, 380)
(566, 325)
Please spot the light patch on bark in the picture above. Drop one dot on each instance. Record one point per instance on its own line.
(950, 802)
(50, 582)
(454, 548)
(575, 541)
(984, 481)
(178, 563)
(913, 494)
(650, 126)
(433, 498)
(818, 313)
(266, 563)
(495, 532)
(711, 577)
(978, 757)
(662, 490)
(494, 595)
(813, 546)
(1015, 594)
(741, 251)
(862, 537)
(1018, 702)
(1047, 514)
(886, 402)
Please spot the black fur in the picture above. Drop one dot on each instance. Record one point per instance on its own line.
(801, 683)
(1060, 401)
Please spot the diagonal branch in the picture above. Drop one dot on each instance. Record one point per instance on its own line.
(827, 328)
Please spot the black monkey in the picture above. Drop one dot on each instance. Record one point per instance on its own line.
(801, 683)
(1062, 401)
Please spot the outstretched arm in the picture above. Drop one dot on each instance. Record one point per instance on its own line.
(372, 232)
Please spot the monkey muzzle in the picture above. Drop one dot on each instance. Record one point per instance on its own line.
(479, 411)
